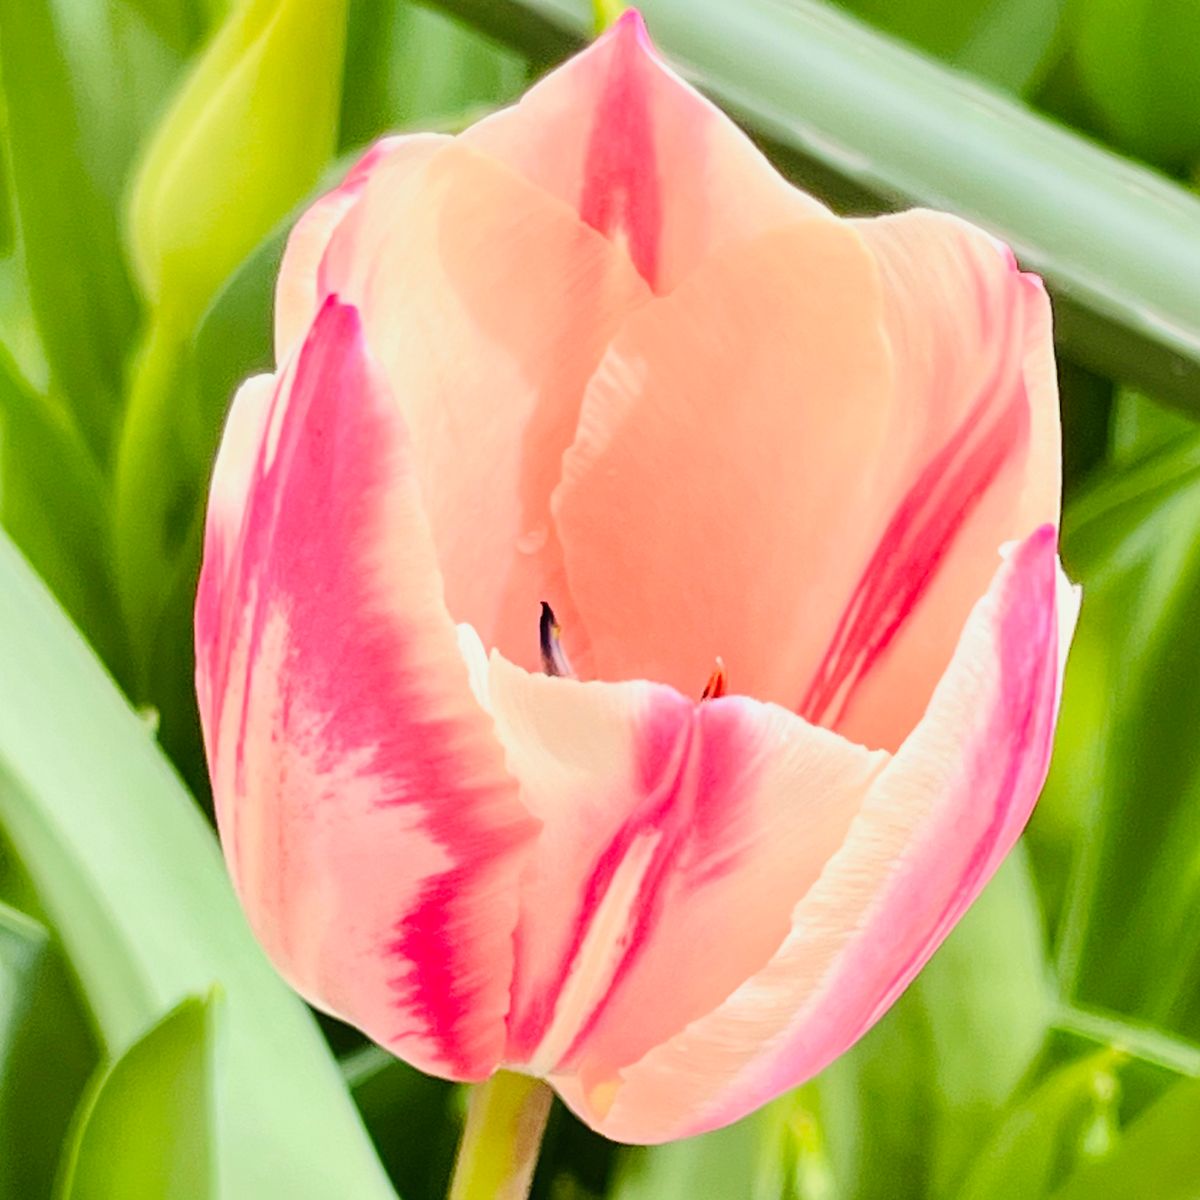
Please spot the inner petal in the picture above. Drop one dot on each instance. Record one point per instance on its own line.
(488, 303)
(713, 500)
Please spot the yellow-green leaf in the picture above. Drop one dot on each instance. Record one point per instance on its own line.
(246, 137)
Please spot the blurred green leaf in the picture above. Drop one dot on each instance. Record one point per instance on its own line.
(1138, 60)
(406, 64)
(1157, 1156)
(1043, 1137)
(1142, 427)
(1005, 41)
(905, 1110)
(729, 1162)
(247, 136)
(130, 877)
(54, 502)
(79, 290)
(146, 1128)
(46, 1054)
(1127, 770)
(863, 122)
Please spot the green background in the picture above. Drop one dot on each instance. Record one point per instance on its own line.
(151, 153)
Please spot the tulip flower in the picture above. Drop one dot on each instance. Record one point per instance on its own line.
(631, 625)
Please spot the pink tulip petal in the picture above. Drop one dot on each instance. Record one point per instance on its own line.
(372, 831)
(296, 292)
(933, 827)
(674, 846)
(714, 500)
(974, 457)
(489, 304)
(641, 156)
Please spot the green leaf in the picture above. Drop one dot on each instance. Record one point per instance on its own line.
(1157, 1156)
(54, 501)
(146, 1129)
(129, 874)
(407, 65)
(864, 121)
(79, 290)
(904, 1111)
(246, 138)
(728, 1162)
(1127, 771)
(1044, 1136)
(1005, 41)
(1138, 60)
(46, 1054)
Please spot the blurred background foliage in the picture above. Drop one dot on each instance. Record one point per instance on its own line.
(151, 153)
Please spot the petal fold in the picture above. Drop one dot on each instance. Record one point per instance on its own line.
(676, 839)
(372, 831)
(488, 304)
(933, 827)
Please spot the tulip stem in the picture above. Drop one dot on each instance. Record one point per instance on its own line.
(506, 1117)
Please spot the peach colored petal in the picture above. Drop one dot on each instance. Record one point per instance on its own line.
(674, 846)
(642, 157)
(974, 461)
(371, 829)
(489, 304)
(933, 827)
(296, 292)
(725, 463)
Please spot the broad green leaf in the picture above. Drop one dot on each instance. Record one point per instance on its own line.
(407, 65)
(247, 136)
(147, 1126)
(130, 876)
(904, 1111)
(1006, 41)
(46, 1054)
(866, 122)
(77, 282)
(1127, 772)
(1138, 60)
(54, 502)
(1141, 427)
(1157, 1157)
(1043, 1137)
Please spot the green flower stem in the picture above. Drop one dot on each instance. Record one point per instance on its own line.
(499, 1149)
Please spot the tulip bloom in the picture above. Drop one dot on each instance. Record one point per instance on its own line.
(596, 352)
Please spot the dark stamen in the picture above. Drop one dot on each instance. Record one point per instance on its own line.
(554, 658)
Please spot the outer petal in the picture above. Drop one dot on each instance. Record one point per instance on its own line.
(676, 839)
(641, 156)
(372, 831)
(726, 462)
(973, 462)
(488, 304)
(296, 292)
(932, 829)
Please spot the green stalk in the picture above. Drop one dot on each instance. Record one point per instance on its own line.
(505, 1121)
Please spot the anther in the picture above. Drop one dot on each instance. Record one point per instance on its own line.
(718, 683)
(554, 657)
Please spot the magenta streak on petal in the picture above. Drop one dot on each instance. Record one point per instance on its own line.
(306, 536)
(1020, 730)
(1003, 766)
(693, 773)
(620, 178)
(914, 545)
